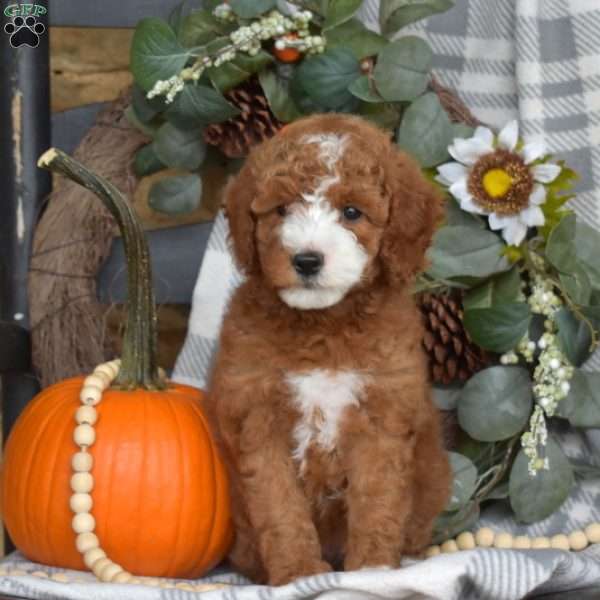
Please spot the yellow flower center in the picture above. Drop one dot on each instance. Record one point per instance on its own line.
(497, 182)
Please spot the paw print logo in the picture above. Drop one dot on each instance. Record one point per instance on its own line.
(24, 31)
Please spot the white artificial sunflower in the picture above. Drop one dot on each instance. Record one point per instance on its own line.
(497, 177)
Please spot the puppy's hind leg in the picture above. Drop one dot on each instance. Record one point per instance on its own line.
(244, 555)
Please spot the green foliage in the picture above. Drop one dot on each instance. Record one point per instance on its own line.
(577, 284)
(242, 67)
(455, 216)
(246, 9)
(325, 79)
(558, 194)
(495, 403)
(446, 396)
(280, 101)
(402, 70)
(181, 148)
(587, 248)
(176, 195)
(339, 11)
(426, 130)
(499, 289)
(535, 498)
(463, 484)
(395, 14)
(200, 105)
(356, 37)
(560, 248)
(465, 251)
(574, 336)
(146, 110)
(451, 523)
(155, 53)
(582, 405)
(498, 328)
(199, 28)
(364, 89)
(146, 162)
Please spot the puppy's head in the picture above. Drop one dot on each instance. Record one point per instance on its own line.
(327, 206)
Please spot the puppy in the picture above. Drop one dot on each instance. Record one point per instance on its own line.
(319, 396)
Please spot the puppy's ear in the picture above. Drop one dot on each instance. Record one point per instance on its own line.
(239, 194)
(415, 211)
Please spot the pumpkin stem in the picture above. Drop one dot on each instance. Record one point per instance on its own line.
(138, 360)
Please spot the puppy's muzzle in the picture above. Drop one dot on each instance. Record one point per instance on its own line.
(307, 264)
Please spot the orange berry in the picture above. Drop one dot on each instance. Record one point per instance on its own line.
(287, 55)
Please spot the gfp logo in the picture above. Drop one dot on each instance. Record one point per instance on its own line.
(24, 28)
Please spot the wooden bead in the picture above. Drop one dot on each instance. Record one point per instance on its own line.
(83, 522)
(151, 581)
(91, 556)
(484, 537)
(578, 540)
(432, 551)
(503, 540)
(109, 571)
(17, 572)
(81, 503)
(86, 541)
(94, 381)
(465, 541)
(592, 532)
(100, 564)
(84, 435)
(86, 414)
(540, 543)
(184, 585)
(82, 461)
(82, 483)
(136, 580)
(522, 542)
(448, 547)
(122, 577)
(61, 577)
(90, 395)
(560, 542)
(106, 370)
(41, 574)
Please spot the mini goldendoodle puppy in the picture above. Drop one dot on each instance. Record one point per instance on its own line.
(320, 400)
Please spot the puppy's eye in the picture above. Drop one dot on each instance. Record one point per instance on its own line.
(282, 210)
(351, 213)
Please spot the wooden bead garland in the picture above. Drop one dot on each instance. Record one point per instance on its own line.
(487, 538)
(82, 481)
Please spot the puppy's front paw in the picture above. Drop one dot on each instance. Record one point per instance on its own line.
(305, 568)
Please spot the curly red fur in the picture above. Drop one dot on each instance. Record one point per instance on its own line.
(375, 495)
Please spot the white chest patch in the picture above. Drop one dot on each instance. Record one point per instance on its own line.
(322, 397)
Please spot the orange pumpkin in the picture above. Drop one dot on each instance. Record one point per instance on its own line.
(160, 496)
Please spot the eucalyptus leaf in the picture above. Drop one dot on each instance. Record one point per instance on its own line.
(182, 148)
(449, 524)
(582, 404)
(198, 28)
(145, 161)
(280, 101)
(242, 67)
(498, 328)
(362, 89)
(426, 131)
(395, 14)
(176, 195)
(560, 248)
(463, 484)
(496, 403)
(156, 54)
(200, 105)
(325, 79)
(499, 289)
(455, 215)
(145, 109)
(384, 115)
(574, 336)
(148, 129)
(402, 70)
(356, 37)
(248, 9)
(446, 396)
(534, 498)
(339, 11)
(587, 247)
(577, 285)
(462, 130)
(460, 250)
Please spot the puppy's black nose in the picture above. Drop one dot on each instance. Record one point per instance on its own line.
(307, 263)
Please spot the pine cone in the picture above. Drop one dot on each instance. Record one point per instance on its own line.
(453, 356)
(254, 124)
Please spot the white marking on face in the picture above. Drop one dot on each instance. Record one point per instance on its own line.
(322, 396)
(315, 225)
